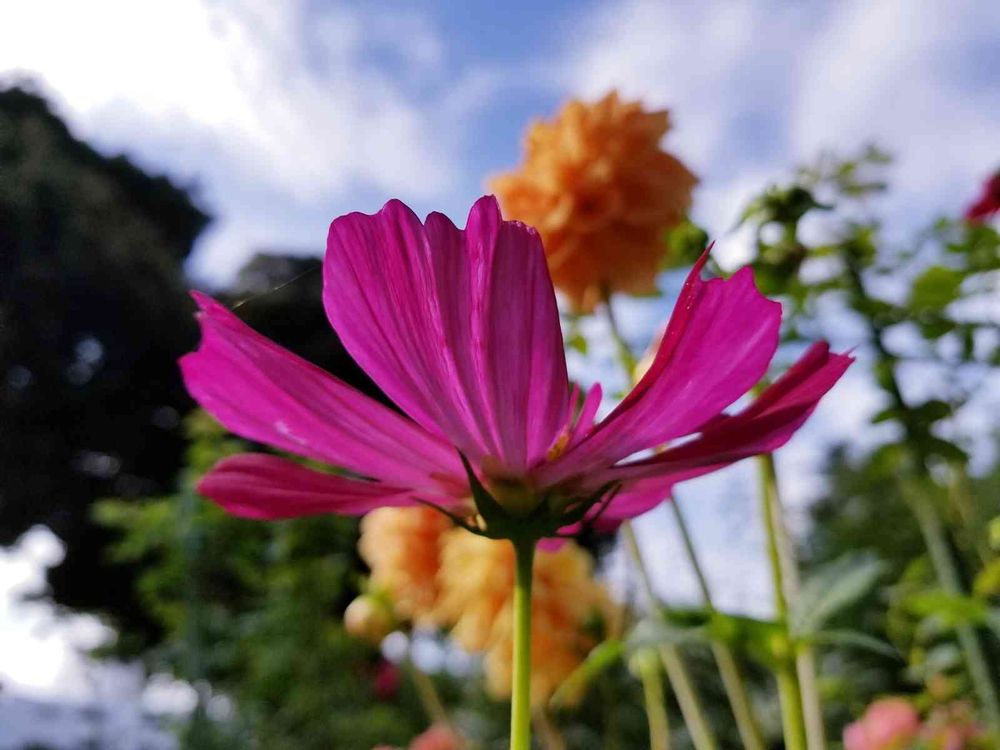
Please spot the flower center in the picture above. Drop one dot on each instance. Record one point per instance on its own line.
(514, 496)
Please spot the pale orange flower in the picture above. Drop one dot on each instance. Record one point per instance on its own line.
(402, 548)
(477, 582)
(437, 574)
(601, 192)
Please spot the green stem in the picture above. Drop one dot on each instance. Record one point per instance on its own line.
(673, 663)
(725, 659)
(520, 708)
(652, 691)
(427, 694)
(784, 578)
(791, 708)
(625, 355)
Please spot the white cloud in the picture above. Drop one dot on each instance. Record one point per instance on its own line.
(279, 111)
(239, 79)
(911, 76)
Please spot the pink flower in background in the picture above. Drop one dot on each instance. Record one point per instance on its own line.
(887, 724)
(438, 737)
(952, 727)
(460, 330)
(988, 202)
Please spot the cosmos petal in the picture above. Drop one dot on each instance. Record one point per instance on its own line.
(258, 485)
(458, 327)
(720, 339)
(263, 392)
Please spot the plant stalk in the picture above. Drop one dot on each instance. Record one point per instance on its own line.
(702, 736)
(548, 732)
(520, 706)
(790, 697)
(656, 713)
(801, 713)
(725, 659)
(427, 693)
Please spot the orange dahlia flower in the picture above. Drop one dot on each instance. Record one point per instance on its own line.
(438, 574)
(477, 584)
(402, 548)
(602, 193)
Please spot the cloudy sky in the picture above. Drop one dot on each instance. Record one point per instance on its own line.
(284, 115)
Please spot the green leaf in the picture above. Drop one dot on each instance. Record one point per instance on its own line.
(764, 640)
(945, 449)
(653, 631)
(987, 582)
(951, 610)
(933, 410)
(578, 342)
(832, 589)
(886, 415)
(936, 288)
(598, 661)
(853, 639)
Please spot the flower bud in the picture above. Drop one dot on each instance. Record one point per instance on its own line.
(369, 618)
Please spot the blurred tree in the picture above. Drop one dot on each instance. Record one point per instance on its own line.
(92, 318)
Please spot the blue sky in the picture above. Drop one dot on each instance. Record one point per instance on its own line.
(286, 114)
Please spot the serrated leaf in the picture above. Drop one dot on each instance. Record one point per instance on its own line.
(832, 589)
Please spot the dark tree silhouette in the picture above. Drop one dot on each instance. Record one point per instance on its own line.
(93, 315)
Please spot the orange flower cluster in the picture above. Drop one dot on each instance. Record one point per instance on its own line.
(441, 575)
(477, 585)
(602, 193)
(402, 549)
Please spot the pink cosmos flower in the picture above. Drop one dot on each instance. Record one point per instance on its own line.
(460, 329)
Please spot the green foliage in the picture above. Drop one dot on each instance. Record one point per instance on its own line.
(254, 610)
(935, 287)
